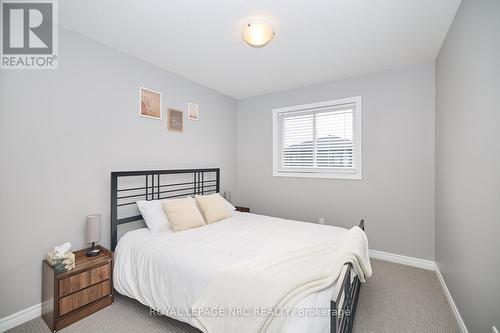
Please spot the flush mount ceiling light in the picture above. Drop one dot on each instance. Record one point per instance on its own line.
(257, 33)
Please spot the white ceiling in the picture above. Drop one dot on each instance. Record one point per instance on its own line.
(316, 40)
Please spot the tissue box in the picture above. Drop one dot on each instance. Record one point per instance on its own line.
(62, 263)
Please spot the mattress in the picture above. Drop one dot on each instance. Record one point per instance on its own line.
(168, 271)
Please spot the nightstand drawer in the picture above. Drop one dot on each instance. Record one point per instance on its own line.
(83, 280)
(83, 297)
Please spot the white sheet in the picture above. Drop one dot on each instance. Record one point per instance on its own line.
(276, 283)
(169, 271)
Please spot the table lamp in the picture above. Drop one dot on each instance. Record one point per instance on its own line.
(93, 233)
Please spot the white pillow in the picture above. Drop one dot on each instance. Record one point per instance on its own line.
(153, 215)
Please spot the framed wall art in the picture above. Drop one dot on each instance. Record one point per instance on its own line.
(192, 111)
(174, 120)
(150, 103)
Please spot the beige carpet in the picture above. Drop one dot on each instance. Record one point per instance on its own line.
(396, 299)
(403, 299)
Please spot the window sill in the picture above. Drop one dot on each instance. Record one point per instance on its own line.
(351, 176)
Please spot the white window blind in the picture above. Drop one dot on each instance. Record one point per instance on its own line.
(320, 139)
(297, 148)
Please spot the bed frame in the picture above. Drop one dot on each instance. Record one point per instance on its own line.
(162, 184)
(157, 184)
(343, 308)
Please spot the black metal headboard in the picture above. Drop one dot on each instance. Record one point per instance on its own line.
(155, 184)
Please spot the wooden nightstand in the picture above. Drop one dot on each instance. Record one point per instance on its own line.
(243, 209)
(70, 296)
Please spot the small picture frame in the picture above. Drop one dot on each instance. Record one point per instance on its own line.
(149, 103)
(192, 111)
(174, 120)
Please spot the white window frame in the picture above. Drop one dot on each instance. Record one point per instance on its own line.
(335, 173)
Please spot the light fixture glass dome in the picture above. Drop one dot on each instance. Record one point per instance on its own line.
(257, 33)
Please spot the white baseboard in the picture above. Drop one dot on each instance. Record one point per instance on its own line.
(404, 260)
(20, 317)
(453, 306)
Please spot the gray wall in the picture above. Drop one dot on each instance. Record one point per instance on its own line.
(63, 131)
(468, 163)
(396, 194)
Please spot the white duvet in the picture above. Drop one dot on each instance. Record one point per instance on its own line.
(170, 271)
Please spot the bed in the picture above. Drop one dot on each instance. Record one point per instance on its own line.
(169, 271)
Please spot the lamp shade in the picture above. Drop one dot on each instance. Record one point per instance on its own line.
(257, 33)
(93, 228)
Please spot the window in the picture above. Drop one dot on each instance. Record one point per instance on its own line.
(319, 140)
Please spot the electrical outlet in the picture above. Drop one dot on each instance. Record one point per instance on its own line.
(494, 329)
(321, 220)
